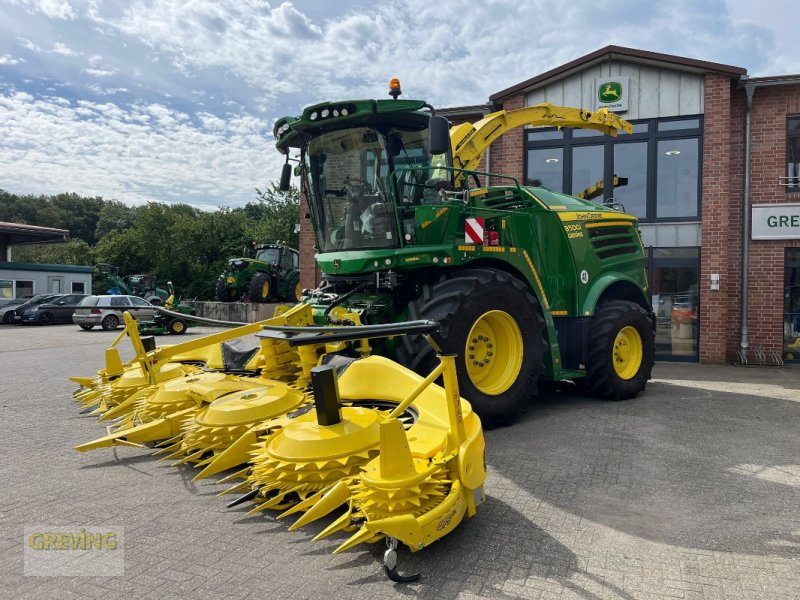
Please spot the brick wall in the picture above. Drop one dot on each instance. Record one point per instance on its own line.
(717, 201)
(508, 152)
(771, 105)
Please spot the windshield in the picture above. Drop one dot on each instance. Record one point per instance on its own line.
(349, 185)
(269, 255)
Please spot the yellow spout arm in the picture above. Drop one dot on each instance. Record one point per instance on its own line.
(470, 141)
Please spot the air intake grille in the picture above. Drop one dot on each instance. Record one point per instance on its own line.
(614, 241)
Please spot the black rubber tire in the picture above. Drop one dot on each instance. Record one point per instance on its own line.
(456, 302)
(86, 327)
(155, 301)
(223, 291)
(291, 286)
(8, 317)
(257, 288)
(45, 318)
(601, 379)
(177, 326)
(110, 323)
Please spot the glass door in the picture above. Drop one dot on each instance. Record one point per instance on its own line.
(674, 275)
(791, 306)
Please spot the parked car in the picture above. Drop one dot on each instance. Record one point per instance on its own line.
(7, 313)
(58, 309)
(107, 310)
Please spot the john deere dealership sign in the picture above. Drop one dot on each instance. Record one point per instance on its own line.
(612, 93)
(776, 222)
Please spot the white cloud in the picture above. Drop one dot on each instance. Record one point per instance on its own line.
(54, 9)
(28, 45)
(100, 72)
(145, 153)
(7, 59)
(63, 49)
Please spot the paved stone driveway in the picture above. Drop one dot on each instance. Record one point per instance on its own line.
(691, 491)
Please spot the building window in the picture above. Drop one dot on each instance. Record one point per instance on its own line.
(546, 168)
(677, 169)
(793, 153)
(791, 305)
(6, 289)
(77, 287)
(654, 172)
(23, 288)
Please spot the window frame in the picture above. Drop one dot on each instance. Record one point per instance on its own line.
(792, 181)
(651, 135)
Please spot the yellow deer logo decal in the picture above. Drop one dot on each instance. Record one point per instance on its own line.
(610, 91)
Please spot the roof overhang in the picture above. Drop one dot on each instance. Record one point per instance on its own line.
(609, 53)
(15, 234)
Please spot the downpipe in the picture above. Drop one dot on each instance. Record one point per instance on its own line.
(749, 88)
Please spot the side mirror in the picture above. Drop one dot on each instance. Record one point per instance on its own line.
(439, 135)
(286, 177)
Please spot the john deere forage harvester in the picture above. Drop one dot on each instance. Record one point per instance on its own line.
(527, 284)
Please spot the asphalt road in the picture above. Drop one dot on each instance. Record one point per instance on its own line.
(691, 490)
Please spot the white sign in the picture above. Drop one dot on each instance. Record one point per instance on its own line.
(611, 93)
(776, 222)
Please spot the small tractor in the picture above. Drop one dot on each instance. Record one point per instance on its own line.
(165, 322)
(270, 272)
(527, 284)
(109, 281)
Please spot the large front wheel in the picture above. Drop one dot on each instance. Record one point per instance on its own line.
(621, 351)
(260, 288)
(492, 322)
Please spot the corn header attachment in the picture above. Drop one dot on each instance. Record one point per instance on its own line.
(305, 422)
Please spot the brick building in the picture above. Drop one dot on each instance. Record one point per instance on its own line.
(697, 127)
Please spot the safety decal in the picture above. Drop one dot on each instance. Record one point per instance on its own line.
(473, 230)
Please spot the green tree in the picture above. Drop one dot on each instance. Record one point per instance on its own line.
(279, 216)
(114, 216)
(73, 252)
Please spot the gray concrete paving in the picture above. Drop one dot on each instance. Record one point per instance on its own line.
(690, 491)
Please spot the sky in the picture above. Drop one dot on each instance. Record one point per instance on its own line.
(174, 101)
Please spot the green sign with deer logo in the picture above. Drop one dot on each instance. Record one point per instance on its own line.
(612, 93)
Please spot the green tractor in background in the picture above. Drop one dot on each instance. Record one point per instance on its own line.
(270, 272)
(107, 280)
(176, 323)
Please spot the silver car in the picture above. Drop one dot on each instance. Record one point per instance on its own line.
(106, 311)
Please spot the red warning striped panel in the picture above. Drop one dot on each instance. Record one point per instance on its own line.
(473, 230)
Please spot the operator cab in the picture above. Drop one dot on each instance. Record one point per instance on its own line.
(366, 165)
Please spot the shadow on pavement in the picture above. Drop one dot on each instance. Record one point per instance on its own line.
(678, 465)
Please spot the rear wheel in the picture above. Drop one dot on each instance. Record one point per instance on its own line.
(293, 289)
(260, 287)
(620, 353)
(86, 327)
(177, 326)
(110, 322)
(492, 322)
(8, 317)
(224, 293)
(46, 318)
